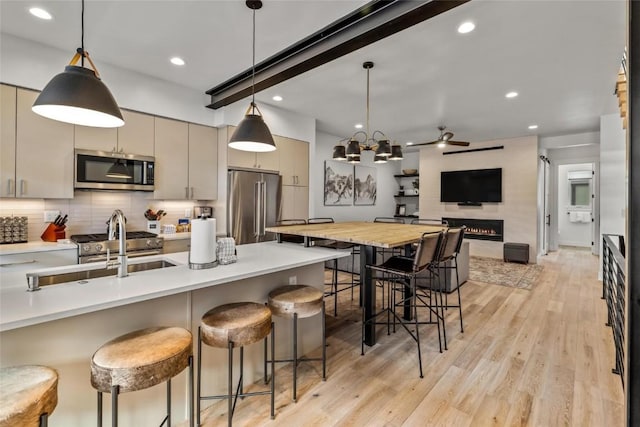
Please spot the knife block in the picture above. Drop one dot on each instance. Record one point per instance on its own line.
(53, 233)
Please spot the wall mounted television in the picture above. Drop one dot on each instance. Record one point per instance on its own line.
(471, 187)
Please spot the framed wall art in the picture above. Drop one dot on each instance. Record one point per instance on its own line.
(338, 183)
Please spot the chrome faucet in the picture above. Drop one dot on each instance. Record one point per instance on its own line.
(121, 262)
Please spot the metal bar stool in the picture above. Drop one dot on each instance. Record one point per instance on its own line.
(404, 269)
(28, 395)
(139, 360)
(235, 325)
(296, 302)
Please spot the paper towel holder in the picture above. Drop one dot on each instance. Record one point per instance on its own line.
(201, 266)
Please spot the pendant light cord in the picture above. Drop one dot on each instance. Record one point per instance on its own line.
(82, 35)
(253, 63)
(368, 134)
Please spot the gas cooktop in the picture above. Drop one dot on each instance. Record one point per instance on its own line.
(101, 237)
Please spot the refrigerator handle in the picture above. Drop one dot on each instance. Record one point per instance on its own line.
(257, 199)
(264, 208)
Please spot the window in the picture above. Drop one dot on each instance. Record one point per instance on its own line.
(580, 193)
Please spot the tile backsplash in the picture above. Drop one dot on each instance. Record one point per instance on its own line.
(90, 210)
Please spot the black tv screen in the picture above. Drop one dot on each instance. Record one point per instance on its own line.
(471, 186)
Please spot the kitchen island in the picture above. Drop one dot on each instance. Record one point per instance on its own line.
(62, 325)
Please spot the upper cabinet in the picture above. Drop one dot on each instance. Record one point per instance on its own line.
(186, 161)
(203, 162)
(44, 153)
(7, 141)
(172, 159)
(135, 137)
(247, 159)
(294, 161)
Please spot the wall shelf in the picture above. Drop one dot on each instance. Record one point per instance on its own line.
(415, 175)
(406, 195)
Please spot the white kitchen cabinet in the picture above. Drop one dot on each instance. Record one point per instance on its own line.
(294, 161)
(7, 141)
(295, 202)
(247, 159)
(203, 162)
(186, 161)
(135, 137)
(44, 153)
(172, 159)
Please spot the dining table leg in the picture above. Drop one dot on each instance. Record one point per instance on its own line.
(368, 288)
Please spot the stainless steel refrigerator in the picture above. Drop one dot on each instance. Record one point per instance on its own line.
(253, 203)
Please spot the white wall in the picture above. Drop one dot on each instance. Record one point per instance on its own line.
(572, 233)
(519, 163)
(387, 185)
(613, 178)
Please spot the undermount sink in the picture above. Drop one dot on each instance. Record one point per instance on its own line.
(37, 280)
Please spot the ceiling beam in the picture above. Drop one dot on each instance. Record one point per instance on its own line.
(370, 23)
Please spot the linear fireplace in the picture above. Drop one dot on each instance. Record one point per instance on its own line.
(481, 229)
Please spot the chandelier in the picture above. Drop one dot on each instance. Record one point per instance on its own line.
(366, 141)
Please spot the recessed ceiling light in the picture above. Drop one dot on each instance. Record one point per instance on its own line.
(511, 94)
(466, 27)
(358, 126)
(176, 60)
(277, 98)
(40, 13)
(533, 127)
(409, 142)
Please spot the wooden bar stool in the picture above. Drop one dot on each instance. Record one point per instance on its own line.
(234, 325)
(28, 395)
(294, 302)
(139, 360)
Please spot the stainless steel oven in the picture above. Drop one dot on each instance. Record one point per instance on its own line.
(93, 247)
(103, 170)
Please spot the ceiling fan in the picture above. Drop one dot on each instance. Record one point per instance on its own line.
(445, 139)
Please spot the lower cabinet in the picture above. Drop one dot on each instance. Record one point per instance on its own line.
(295, 202)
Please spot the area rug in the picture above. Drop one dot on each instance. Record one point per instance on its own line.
(496, 272)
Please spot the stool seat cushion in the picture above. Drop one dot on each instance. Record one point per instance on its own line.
(241, 323)
(26, 392)
(304, 300)
(141, 359)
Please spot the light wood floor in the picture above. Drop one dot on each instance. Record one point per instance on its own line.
(527, 358)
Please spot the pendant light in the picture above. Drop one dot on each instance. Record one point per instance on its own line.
(78, 95)
(382, 148)
(119, 170)
(252, 133)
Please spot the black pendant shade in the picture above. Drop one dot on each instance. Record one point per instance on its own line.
(396, 152)
(252, 134)
(354, 159)
(353, 148)
(339, 153)
(379, 159)
(119, 170)
(78, 96)
(384, 148)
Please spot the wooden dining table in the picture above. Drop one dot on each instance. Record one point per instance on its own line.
(370, 236)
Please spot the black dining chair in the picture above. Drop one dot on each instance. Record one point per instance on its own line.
(449, 261)
(399, 272)
(429, 221)
(335, 285)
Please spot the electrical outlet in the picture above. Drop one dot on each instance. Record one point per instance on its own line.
(50, 216)
(293, 280)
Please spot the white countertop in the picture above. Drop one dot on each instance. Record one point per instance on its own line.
(19, 308)
(21, 248)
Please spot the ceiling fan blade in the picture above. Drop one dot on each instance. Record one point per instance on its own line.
(426, 143)
(460, 143)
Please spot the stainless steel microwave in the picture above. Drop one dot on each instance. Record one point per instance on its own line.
(104, 170)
